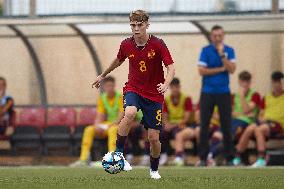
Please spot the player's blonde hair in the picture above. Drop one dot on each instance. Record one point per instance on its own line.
(139, 16)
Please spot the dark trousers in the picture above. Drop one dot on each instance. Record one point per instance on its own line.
(207, 103)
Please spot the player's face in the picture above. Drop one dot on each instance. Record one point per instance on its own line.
(175, 90)
(277, 86)
(244, 84)
(109, 87)
(217, 36)
(139, 28)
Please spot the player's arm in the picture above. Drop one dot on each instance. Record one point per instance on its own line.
(210, 71)
(230, 66)
(6, 107)
(188, 109)
(101, 112)
(115, 63)
(166, 118)
(203, 65)
(120, 116)
(162, 87)
(100, 117)
(197, 116)
(261, 116)
(227, 60)
(167, 124)
(247, 106)
(185, 119)
(261, 112)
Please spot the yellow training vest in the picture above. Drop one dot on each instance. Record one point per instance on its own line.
(274, 108)
(176, 113)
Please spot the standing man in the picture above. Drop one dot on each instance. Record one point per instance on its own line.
(146, 84)
(216, 62)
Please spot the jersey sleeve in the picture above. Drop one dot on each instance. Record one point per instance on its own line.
(262, 104)
(188, 104)
(231, 55)
(203, 60)
(121, 56)
(256, 99)
(100, 107)
(165, 107)
(120, 104)
(166, 56)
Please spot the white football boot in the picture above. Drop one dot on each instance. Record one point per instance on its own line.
(127, 166)
(155, 175)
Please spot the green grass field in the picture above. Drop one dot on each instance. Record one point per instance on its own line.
(69, 178)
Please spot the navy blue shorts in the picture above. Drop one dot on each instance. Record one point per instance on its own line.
(238, 127)
(152, 111)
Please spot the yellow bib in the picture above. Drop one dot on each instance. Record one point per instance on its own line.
(274, 108)
(176, 113)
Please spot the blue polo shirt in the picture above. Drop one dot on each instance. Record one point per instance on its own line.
(209, 58)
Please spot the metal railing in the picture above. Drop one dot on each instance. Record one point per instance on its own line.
(34, 8)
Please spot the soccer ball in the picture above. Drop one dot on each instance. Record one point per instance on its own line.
(113, 162)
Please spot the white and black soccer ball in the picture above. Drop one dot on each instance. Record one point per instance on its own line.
(113, 162)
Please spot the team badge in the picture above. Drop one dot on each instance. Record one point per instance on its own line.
(151, 54)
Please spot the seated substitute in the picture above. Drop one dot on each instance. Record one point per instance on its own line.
(270, 122)
(246, 104)
(6, 107)
(109, 113)
(176, 115)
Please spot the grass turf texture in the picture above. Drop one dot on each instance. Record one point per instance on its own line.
(69, 178)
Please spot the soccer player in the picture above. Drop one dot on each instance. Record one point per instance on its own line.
(271, 120)
(176, 116)
(246, 105)
(6, 107)
(109, 113)
(146, 84)
(216, 62)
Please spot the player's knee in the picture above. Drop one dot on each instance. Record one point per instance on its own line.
(263, 128)
(251, 129)
(197, 130)
(179, 136)
(130, 112)
(217, 135)
(153, 138)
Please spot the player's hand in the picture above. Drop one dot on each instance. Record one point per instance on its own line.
(220, 48)
(223, 68)
(162, 88)
(242, 91)
(168, 126)
(98, 81)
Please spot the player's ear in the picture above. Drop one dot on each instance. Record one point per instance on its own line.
(148, 24)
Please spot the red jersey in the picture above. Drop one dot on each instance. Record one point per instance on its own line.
(145, 66)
